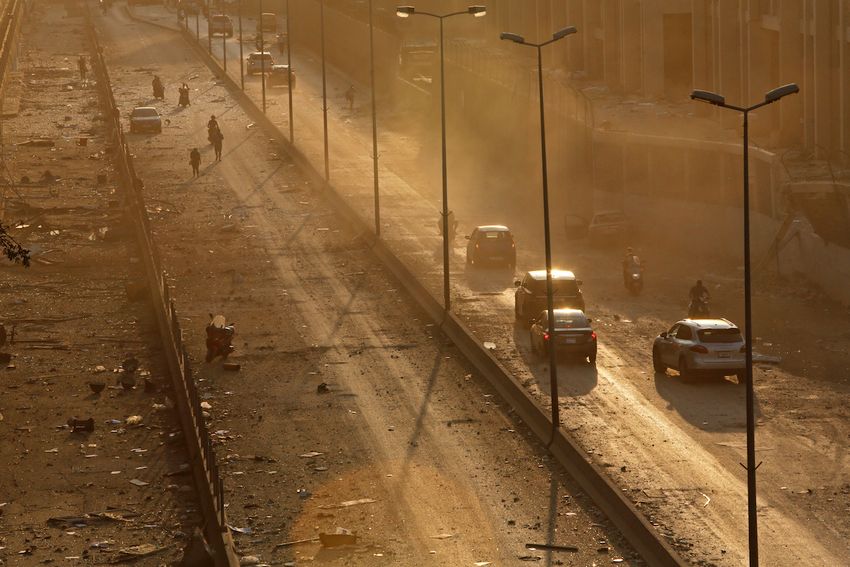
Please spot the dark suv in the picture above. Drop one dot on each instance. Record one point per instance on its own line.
(530, 297)
(491, 245)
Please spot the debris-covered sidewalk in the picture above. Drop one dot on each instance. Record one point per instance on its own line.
(94, 467)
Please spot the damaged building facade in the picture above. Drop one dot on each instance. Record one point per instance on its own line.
(636, 61)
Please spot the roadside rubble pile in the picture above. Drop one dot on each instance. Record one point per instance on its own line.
(95, 469)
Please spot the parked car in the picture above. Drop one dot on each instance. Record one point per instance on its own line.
(145, 119)
(259, 61)
(221, 25)
(607, 226)
(491, 245)
(530, 296)
(279, 75)
(267, 22)
(572, 335)
(694, 346)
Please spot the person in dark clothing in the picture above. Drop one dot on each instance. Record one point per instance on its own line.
(184, 95)
(81, 63)
(699, 292)
(217, 138)
(195, 160)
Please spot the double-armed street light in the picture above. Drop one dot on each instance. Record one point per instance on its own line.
(553, 358)
(718, 100)
(476, 11)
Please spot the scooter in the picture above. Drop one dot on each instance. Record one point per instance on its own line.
(698, 308)
(633, 280)
(219, 337)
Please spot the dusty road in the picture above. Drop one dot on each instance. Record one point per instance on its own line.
(676, 446)
(409, 448)
(78, 497)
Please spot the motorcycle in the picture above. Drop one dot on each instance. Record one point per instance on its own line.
(698, 308)
(219, 337)
(211, 133)
(633, 279)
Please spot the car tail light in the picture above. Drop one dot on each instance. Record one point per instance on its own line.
(545, 336)
(476, 247)
(699, 348)
(592, 335)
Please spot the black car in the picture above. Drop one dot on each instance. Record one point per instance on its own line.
(491, 245)
(573, 334)
(530, 296)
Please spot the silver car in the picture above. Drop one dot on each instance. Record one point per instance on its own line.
(259, 62)
(694, 346)
(145, 119)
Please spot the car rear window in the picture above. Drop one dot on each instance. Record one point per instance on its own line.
(559, 287)
(257, 56)
(571, 322)
(144, 112)
(732, 335)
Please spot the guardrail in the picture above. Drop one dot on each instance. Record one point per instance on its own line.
(593, 480)
(9, 25)
(208, 482)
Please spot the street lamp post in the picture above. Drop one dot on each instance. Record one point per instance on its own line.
(476, 11)
(719, 100)
(550, 306)
(198, 23)
(209, 27)
(289, 76)
(224, 48)
(262, 56)
(324, 89)
(241, 54)
(374, 123)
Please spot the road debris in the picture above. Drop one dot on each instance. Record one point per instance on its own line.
(348, 503)
(339, 537)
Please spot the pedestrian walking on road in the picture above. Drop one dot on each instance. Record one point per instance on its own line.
(81, 63)
(195, 160)
(349, 96)
(217, 138)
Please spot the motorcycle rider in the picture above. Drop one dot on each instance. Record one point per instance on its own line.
(699, 298)
(212, 127)
(631, 264)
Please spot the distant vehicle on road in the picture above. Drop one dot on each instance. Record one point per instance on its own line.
(693, 346)
(280, 75)
(267, 22)
(221, 25)
(530, 297)
(609, 226)
(258, 61)
(145, 119)
(573, 334)
(491, 245)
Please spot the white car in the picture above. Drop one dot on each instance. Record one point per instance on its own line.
(145, 119)
(694, 346)
(259, 62)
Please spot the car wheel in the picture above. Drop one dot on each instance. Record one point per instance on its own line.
(591, 359)
(657, 365)
(516, 310)
(684, 371)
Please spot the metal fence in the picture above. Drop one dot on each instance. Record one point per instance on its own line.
(208, 482)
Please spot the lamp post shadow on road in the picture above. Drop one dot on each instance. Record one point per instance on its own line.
(374, 123)
(547, 240)
(324, 90)
(476, 11)
(289, 76)
(719, 100)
